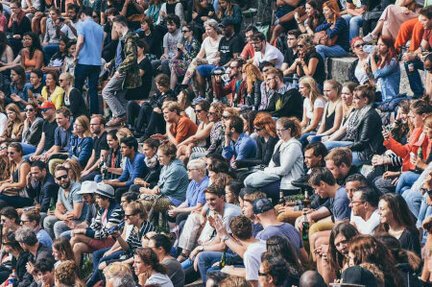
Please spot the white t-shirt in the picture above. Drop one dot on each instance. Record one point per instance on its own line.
(366, 227)
(319, 103)
(252, 259)
(3, 123)
(159, 279)
(271, 53)
(211, 49)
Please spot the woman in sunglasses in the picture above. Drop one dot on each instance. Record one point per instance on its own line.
(32, 130)
(13, 191)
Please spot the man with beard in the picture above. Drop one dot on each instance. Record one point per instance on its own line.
(100, 148)
(69, 207)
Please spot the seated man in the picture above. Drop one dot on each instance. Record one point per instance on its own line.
(97, 235)
(69, 206)
(134, 167)
(364, 206)
(178, 127)
(238, 145)
(191, 235)
(32, 219)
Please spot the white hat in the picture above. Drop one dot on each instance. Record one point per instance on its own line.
(88, 187)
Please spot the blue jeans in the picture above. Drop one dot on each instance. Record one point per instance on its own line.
(28, 148)
(207, 258)
(354, 23)
(82, 72)
(49, 50)
(303, 139)
(332, 52)
(414, 77)
(413, 199)
(406, 180)
(425, 212)
(333, 144)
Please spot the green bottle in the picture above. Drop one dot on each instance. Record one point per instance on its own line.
(305, 229)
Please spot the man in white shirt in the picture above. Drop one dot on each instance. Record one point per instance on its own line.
(364, 206)
(264, 52)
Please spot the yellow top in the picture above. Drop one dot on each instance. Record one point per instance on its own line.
(56, 97)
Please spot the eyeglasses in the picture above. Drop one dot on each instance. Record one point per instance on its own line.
(185, 31)
(258, 129)
(29, 110)
(129, 215)
(261, 273)
(62, 177)
(359, 45)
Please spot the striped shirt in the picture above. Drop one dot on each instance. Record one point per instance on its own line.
(134, 239)
(105, 219)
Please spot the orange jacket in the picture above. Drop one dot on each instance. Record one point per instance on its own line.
(417, 139)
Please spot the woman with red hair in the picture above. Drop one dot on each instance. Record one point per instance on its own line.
(331, 37)
(385, 68)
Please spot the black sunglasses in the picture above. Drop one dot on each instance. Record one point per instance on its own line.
(62, 177)
(198, 111)
(185, 31)
(359, 45)
(258, 129)
(129, 215)
(300, 46)
(44, 110)
(29, 110)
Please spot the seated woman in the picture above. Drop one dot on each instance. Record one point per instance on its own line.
(172, 184)
(217, 133)
(199, 141)
(32, 130)
(313, 107)
(12, 191)
(51, 38)
(206, 59)
(73, 100)
(195, 198)
(69, 60)
(81, 141)
(309, 62)
(150, 147)
(362, 72)
(362, 135)
(111, 167)
(385, 68)
(415, 153)
(151, 37)
(331, 36)
(148, 269)
(18, 92)
(189, 50)
(253, 78)
(52, 92)
(333, 111)
(313, 19)
(227, 9)
(286, 164)
(15, 124)
(97, 236)
(265, 129)
(62, 250)
(4, 162)
(202, 11)
(56, 62)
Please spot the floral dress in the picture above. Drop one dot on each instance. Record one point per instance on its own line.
(180, 65)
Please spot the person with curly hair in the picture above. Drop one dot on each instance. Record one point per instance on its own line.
(148, 269)
(66, 275)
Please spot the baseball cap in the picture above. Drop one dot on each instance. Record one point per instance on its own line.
(359, 275)
(104, 190)
(262, 205)
(88, 187)
(47, 105)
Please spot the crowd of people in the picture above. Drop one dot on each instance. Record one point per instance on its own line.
(161, 143)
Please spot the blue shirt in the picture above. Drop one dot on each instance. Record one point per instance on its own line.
(340, 30)
(133, 168)
(195, 192)
(91, 51)
(389, 79)
(243, 148)
(81, 149)
(339, 205)
(62, 138)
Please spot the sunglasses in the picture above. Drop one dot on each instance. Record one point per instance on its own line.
(225, 117)
(45, 110)
(11, 152)
(300, 46)
(258, 129)
(198, 111)
(261, 273)
(62, 177)
(428, 69)
(185, 31)
(29, 110)
(359, 45)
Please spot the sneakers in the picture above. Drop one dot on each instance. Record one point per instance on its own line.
(116, 121)
(370, 38)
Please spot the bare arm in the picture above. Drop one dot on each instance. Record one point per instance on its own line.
(337, 121)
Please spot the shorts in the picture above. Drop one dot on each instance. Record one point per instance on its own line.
(205, 70)
(96, 244)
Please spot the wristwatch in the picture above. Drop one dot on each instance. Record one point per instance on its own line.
(225, 238)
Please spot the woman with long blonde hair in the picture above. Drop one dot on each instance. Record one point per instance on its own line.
(73, 99)
(313, 107)
(253, 79)
(15, 124)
